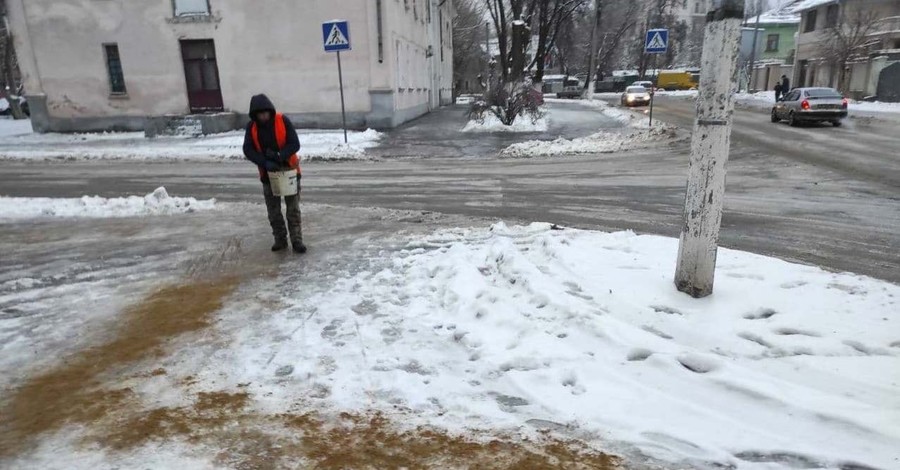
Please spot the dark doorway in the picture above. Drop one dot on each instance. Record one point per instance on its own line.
(804, 69)
(202, 75)
(889, 84)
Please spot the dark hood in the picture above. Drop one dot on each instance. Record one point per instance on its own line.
(260, 103)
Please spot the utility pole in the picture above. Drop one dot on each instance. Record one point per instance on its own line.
(695, 269)
(588, 92)
(752, 79)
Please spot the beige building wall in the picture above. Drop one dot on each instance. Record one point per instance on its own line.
(272, 47)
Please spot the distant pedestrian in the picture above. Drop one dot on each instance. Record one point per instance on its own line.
(785, 84)
(778, 91)
(271, 143)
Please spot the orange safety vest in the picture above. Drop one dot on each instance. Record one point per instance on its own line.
(280, 139)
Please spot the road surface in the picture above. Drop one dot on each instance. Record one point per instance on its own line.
(818, 195)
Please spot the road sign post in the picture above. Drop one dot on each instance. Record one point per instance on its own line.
(710, 141)
(656, 42)
(336, 38)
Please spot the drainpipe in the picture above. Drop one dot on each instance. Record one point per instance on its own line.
(380, 31)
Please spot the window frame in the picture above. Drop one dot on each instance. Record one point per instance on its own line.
(769, 41)
(809, 21)
(189, 15)
(109, 71)
(832, 15)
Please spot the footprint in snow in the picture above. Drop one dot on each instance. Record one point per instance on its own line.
(331, 330)
(697, 363)
(795, 332)
(754, 338)
(755, 277)
(852, 290)
(793, 284)
(639, 354)
(650, 329)
(665, 309)
(760, 314)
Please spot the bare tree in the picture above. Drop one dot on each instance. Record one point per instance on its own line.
(551, 17)
(9, 68)
(469, 57)
(846, 42)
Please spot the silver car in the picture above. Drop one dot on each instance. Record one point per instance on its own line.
(811, 105)
(635, 96)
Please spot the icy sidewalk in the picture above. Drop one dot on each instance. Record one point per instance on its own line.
(314, 145)
(784, 365)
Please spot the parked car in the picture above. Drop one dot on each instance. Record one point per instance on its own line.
(811, 105)
(644, 83)
(571, 89)
(636, 96)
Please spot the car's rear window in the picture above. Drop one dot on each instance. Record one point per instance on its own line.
(823, 93)
(635, 89)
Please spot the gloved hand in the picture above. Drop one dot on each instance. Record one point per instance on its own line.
(272, 166)
(273, 155)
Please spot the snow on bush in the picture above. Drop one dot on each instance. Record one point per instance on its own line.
(156, 203)
(509, 103)
(490, 123)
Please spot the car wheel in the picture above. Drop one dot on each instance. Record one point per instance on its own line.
(792, 120)
(775, 116)
(836, 123)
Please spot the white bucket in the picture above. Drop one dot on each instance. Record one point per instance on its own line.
(284, 183)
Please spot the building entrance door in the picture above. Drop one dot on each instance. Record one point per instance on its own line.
(202, 75)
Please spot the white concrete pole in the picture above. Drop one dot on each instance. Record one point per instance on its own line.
(709, 150)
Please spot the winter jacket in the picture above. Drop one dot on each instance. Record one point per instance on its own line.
(785, 85)
(277, 134)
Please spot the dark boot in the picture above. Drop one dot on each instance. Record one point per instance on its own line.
(294, 228)
(280, 244)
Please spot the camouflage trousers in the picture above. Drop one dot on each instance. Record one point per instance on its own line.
(276, 219)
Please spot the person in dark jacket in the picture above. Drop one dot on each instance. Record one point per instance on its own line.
(271, 143)
(785, 84)
(778, 92)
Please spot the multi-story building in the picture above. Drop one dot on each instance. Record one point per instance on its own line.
(775, 31)
(93, 65)
(872, 68)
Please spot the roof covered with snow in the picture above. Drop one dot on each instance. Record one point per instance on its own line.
(810, 4)
(784, 14)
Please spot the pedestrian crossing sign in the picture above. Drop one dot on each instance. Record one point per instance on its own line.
(336, 36)
(657, 41)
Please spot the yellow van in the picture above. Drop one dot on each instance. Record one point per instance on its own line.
(675, 80)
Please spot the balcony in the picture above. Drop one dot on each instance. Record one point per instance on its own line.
(886, 26)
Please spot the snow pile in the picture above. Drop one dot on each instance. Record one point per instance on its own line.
(14, 127)
(875, 106)
(809, 4)
(314, 145)
(784, 366)
(601, 142)
(156, 203)
(491, 123)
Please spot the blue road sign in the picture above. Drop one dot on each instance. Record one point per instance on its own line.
(657, 41)
(336, 36)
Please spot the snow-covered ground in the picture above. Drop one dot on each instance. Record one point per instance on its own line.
(156, 203)
(784, 366)
(20, 144)
(491, 123)
(528, 328)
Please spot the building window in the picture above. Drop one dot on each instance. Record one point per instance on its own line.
(772, 43)
(191, 7)
(114, 68)
(428, 11)
(831, 16)
(809, 24)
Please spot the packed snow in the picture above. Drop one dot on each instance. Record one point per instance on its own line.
(784, 366)
(156, 203)
(638, 134)
(314, 145)
(491, 123)
(600, 142)
(14, 127)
